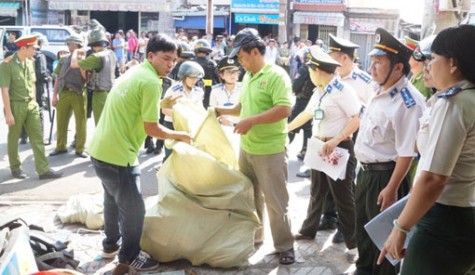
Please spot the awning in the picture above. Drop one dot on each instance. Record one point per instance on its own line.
(198, 22)
(319, 18)
(9, 9)
(111, 5)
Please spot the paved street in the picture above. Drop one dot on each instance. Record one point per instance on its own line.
(38, 201)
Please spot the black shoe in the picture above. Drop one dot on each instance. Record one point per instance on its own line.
(73, 144)
(82, 155)
(338, 237)
(300, 236)
(149, 150)
(23, 141)
(301, 155)
(157, 151)
(50, 174)
(327, 223)
(304, 174)
(19, 174)
(57, 152)
(143, 262)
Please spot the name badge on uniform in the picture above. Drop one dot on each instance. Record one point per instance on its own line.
(319, 114)
(227, 104)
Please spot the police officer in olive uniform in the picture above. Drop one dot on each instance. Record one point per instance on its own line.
(102, 66)
(17, 83)
(70, 86)
(202, 50)
(385, 145)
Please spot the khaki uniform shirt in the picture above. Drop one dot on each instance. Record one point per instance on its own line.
(389, 124)
(19, 77)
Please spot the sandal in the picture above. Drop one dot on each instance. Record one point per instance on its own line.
(287, 257)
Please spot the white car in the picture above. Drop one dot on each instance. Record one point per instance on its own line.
(55, 36)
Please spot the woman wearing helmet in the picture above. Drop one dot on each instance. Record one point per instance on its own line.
(188, 74)
(227, 92)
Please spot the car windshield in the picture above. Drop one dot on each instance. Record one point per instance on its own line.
(53, 35)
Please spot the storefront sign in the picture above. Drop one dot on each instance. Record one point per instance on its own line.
(109, 5)
(321, 2)
(319, 18)
(268, 6)
(267, 19)
(369, 25)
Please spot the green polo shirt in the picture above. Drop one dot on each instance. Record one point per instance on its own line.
(270, 87)
(19, 78)
(133, 100)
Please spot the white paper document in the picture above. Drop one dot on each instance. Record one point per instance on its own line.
(334, 165)
(381, 226)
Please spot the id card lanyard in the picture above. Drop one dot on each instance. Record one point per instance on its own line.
(319, 114)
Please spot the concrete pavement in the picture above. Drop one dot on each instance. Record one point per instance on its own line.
(38, 201)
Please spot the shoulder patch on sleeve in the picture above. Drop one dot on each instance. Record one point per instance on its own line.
(407, 97)
(450, 92)
(365, 77)
(177, 88)
(338, 85)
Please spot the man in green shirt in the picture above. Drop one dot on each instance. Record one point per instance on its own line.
(264, 108)
(17, 83)
(130, 114)
(101, 65)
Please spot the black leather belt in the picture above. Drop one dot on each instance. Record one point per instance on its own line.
(378, 166)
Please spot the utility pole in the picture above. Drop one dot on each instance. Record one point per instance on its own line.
(283, 24)
(209, 19)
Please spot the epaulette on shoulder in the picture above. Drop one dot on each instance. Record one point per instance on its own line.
(177, 88)
(365, 77)
(338, 85)
(450, 92)
(407, 97)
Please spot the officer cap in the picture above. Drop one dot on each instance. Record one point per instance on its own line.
(228, 64)
(411, 43)
(423, 50)
(244, 37)
(387, 43)
(322, 60)
(341, 45)
(27, 40)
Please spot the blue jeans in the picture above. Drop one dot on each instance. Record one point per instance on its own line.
(124, 208)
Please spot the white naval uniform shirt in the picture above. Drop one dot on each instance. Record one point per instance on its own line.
(450, 148)
(221, 97)
(196, 95)
(338, 102)
(362, 83)
(389, 124)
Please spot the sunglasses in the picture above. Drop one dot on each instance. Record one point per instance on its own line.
(419, 56)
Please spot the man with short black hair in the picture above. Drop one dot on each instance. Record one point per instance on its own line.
(264, 108)
(134, 103)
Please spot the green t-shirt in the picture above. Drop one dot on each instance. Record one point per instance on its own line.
(133, 100)
(19, 78)
(268, 88)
